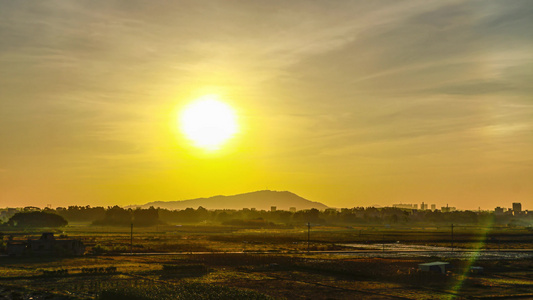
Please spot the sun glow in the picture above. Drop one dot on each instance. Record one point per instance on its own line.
(208, 123)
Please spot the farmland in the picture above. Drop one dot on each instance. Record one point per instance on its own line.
(231, 262)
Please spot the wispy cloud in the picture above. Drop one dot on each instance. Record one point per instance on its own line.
(91, 87)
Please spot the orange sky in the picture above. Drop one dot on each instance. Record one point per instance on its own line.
(352, 104)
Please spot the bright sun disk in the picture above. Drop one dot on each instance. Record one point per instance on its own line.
(208, 123)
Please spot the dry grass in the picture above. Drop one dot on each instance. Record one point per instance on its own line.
(288, 275)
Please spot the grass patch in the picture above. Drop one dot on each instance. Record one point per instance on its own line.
(182, 291)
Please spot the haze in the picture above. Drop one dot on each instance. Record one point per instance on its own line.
(350, 103)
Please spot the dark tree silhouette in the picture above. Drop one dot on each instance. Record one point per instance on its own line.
(117, 216)
(37, 219)
(81, 213)
(146, 217)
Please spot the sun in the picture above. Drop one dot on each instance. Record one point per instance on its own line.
(208, 122)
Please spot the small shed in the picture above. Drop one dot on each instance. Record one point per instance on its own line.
(437, 266)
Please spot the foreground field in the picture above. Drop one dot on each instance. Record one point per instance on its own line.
(216, 238)
(235, 263)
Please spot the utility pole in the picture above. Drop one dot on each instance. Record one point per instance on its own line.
(452, 237)
(131, 239)
(308, 235)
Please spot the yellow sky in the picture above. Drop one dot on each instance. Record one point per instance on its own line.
(351, 104)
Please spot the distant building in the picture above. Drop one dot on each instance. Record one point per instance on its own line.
(32, 208)
(433, 207)
(292, 209)
(438, 267)
(448, 208)
(46, 245)
(498, 210)
(517, 208)
(405, 206)
(423, 206)
(253, 209)
(272, 208)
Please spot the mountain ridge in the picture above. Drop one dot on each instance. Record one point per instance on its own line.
(260, 200)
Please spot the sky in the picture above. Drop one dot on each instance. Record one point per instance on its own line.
(349, 103)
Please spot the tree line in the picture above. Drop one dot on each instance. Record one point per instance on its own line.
(118, 216)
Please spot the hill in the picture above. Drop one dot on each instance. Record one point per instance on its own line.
(258, 200)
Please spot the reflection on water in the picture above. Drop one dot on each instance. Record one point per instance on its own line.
(405, 250)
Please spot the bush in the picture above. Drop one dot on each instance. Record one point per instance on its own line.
(99, 249)
(55, 273)
(108, 270)
(185, 268)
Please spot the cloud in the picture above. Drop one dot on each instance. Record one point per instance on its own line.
(92, 86)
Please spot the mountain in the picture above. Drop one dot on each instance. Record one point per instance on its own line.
(258, 200)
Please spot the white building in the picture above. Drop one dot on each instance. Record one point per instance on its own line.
(437, 266)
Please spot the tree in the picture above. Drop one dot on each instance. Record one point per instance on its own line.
(146, 217)
(115, 216)
(37, 219)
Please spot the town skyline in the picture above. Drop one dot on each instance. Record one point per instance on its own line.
(289, 205)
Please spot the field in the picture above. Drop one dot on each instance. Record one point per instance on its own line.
(224, 262)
